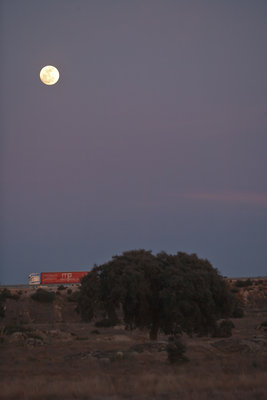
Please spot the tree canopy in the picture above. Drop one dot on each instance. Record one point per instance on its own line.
(172, 293)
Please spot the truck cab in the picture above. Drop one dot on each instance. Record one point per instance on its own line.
(34, 279)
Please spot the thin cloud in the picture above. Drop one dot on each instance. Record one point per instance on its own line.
(259, 199)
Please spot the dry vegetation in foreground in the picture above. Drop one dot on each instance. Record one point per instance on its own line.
(47, 353)
(175, 384)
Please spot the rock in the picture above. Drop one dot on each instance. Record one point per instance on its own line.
(17, 337)
(34, 342)
(60, 335)
(119, 327)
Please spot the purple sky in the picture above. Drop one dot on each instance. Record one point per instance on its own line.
(155, 136)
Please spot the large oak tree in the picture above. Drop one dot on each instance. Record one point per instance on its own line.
(169, 293)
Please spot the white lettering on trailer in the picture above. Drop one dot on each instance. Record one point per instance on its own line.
(67, 276)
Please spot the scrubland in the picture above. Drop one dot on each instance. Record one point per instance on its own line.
(46, 352)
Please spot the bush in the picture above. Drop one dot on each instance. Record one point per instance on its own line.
(6, 294)
(224, 329)
(9, 329)
(246, 283)
(43, 296)
(74, 297)
(2, 335)
(95, 332)
(61, 287)
(2, 310)
(264, 324)
(259, 282)
(105, 323)
(235, 290)
(176, 349)
(27, 332)
(238, 312)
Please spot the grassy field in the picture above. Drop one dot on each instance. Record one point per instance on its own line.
(47, 353)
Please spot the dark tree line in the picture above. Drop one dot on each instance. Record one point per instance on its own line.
(170, 293)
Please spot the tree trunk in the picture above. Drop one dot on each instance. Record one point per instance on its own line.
(153, 334)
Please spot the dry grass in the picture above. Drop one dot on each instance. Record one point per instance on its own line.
(148, 385)
(63, 367)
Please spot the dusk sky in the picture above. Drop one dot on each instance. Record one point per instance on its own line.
(155, 136)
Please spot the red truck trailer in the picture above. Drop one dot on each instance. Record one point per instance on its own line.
(60, 278)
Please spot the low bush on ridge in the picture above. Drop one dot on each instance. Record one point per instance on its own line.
(243, 283)
(43, 296)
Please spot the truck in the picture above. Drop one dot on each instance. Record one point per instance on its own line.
(60, 278)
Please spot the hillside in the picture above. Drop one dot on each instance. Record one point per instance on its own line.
(47, 352)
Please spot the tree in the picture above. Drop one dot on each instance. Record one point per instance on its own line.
(172, 293)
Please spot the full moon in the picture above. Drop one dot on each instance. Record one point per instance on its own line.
(49, 75)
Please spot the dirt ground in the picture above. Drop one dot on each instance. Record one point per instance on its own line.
(46, 352)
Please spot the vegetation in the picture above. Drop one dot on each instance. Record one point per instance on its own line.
(243, 283)
(238, 311)
(95, 332)
(172, 293)
(224, 329)
(73, 296)
(27, 332)
(2, 310)
(43, 296)
(6, 294)
(176, 350)
(61, 287)
(105, 323)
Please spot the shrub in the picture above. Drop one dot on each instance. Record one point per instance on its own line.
(246, 283)
(235, 290)
(259, 282)
(106, 323)
(95, 332)
(3, 334)
(9, 329)
(264, 324)
(175, 350)
(238, 312)
(224, 329)
(27, 332)
(43, 296)
(6, 294)
(74, 297)
(2, 310)
(118, 356)
(61, 287)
